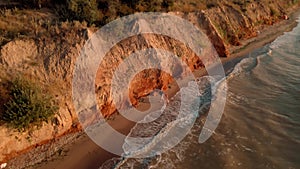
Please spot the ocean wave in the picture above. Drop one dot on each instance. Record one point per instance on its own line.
(244, 65)
(169, 122)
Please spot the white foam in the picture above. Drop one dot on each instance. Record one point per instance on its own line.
(286, 37)
(208, 86)
(242, 66)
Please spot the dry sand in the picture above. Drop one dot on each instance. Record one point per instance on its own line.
(83, 153)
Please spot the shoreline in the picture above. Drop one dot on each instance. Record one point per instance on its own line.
(267, 35)
(81, 152)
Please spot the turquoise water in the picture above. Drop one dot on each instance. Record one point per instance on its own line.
(260, 127)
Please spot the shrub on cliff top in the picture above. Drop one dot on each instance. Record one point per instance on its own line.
(28, 106)
(81, 10)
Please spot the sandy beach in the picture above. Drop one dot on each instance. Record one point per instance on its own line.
(83, 153)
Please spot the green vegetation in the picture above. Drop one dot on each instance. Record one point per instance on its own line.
(36, 18)
(97, 12)
(81, 10)
(100, 12)
(28, 105)
(222, 31)
(212, 4)
(273, 12)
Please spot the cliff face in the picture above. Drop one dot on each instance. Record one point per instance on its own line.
(146, 81)
(230, 23)
(227, 25)
(50, 59)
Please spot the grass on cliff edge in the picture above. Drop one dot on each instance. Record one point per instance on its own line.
(27, 106)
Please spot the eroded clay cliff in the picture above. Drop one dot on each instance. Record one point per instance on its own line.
(50, 59)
